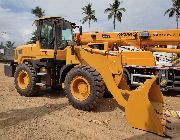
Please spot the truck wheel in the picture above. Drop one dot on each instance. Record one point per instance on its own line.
(25, 80)
(84, 87)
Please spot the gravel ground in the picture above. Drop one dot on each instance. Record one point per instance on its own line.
(49, 116)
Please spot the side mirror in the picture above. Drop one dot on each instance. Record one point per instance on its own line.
(80, 30)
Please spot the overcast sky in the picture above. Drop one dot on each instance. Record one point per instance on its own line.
(16, 18)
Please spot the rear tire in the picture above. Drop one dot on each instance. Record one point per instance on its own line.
(29, 88)
(93, 83)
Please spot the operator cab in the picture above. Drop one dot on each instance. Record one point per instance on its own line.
(54, 32)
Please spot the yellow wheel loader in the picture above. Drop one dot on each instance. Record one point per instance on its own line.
(56, 59)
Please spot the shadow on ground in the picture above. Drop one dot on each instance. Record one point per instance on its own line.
(173, 93)
(15, 116)
(107, 105)
(50, 93)
(104, 105)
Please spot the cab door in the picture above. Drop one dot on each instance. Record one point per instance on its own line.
(47, 41)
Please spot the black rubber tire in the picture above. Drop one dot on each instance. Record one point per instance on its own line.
(31, 89)
(97, 87)
(107, 94)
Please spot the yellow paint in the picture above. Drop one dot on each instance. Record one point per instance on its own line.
(140, 111)
(138, 104)
(70, 59)
(80, 88)
(33, 51)
(132, 38)
(23, 79)
(143, 58)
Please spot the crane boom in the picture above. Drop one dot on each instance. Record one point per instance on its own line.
(139, 39)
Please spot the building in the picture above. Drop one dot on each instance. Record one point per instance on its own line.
(8, 54)
(1, 51)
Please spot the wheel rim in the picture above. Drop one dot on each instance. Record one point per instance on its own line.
(23, 79)
(80, 88)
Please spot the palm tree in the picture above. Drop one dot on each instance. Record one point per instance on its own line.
(9, 45)
(115, 12)
(174, 11)
(89, 14)
(38, 12)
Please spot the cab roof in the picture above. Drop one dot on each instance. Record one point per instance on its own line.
(55, 17)
(49, 17)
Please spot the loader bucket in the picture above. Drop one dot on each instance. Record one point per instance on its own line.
(144, 109)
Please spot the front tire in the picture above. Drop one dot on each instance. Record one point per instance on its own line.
(25, 82)
(84, 87)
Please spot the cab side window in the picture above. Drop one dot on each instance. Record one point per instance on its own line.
(65, 35)
(46, 37)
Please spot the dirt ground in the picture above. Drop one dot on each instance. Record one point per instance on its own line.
(49, 116)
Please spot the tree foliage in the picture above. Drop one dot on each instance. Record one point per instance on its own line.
(174, 11)
(7, 45)
(115, 12)
(38, 13)
(89, 15)
(33, 38)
